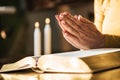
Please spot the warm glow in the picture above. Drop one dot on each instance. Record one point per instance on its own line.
(65, 76)
(47, 20)
(3, 34)
(32, 78)
(37, 24)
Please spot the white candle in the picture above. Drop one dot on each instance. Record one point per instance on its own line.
(37, 40)
(47, 37)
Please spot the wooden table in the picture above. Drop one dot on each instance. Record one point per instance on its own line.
(113, 74)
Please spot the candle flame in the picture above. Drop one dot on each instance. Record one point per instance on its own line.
(47, 20)
(3, 34)
(37, 24)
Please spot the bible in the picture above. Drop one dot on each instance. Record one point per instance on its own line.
(87, 61)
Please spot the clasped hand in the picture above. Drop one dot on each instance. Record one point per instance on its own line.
(79, 31)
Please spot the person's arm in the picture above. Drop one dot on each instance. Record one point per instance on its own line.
(112, 41)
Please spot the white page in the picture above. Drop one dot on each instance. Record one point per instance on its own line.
(86, 53)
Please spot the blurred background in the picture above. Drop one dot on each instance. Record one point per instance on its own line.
(17, 18)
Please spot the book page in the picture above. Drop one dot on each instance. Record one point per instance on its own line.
(87, 61)
(53, 63)
(86, 53)
(27, 62)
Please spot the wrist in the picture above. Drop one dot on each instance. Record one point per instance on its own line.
(102, 41)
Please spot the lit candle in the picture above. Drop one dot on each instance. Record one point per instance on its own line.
(37, 40)
(47, 37)
(3, 34)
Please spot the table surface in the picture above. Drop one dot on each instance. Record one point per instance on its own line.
(113, 74)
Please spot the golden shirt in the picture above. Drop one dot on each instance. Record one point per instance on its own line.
(107, 20)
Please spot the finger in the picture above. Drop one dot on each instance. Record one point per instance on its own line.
(83, 26)
(68, 28)
(71, 20)
(61, 16)
(79, 17)
(87, 31)
(84, 29)
(57, 17)
(71, 39)
(85, 20)
(75, 25)
(91, 28)
(78, 43)
(71, 23)
(88, 28)
(59, 22)
(76, 17)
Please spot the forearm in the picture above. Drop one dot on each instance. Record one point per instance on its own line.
(112, 41)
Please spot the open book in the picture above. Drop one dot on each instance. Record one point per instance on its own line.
(87, 61)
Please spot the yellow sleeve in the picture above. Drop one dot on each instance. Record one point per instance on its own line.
(98, 14)
(112, 41)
